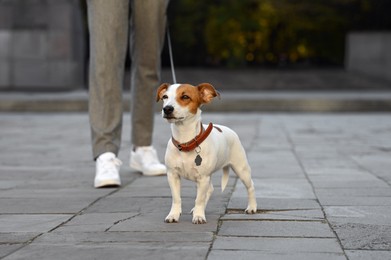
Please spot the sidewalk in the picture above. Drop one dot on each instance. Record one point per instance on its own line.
(322, 184)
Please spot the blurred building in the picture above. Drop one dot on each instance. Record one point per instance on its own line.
(42, 45)
(369, 53)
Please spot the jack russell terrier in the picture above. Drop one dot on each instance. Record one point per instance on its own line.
(195, 151)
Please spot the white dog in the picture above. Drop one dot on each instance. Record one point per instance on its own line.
(195, 151)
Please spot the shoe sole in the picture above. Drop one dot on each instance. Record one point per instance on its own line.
(154, 173)
(107, 184)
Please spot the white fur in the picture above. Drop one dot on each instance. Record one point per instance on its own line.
(220, 150)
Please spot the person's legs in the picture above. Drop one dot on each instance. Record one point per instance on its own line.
(108, 26)
(148, 24)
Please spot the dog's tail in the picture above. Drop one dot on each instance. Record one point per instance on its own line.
(224, 178)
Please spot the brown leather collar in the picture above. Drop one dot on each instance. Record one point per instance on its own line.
(191, 145)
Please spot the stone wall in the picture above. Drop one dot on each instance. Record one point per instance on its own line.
(369, 53)
(42, 45)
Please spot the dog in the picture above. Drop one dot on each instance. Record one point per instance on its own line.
(195, 151)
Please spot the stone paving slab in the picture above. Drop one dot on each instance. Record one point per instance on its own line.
(367, 254)
(31, 223)
(276, 229)
(363, 236)
(44, 205)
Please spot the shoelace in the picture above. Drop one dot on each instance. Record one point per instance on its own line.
(149, 156)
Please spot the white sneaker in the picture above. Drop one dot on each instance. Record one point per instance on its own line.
(145, 160)
(107, 171)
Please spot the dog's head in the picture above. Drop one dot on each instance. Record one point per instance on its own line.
(181, 101)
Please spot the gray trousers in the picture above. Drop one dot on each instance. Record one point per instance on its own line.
(108, 23)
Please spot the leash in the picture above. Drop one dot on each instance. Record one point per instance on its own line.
(171, 55)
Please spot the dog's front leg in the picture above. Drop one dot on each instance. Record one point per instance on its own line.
(174, 181)
(203, 185)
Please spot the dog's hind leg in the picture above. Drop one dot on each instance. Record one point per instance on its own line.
(209, 193)
(224, 178)
(244, 175)
(242, 169)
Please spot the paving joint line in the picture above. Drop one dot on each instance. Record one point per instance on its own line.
(369, 171)
(289, 138)
(215, 235)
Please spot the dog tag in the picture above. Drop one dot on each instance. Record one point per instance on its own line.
(198, 160)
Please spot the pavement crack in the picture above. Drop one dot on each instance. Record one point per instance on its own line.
(121, 220)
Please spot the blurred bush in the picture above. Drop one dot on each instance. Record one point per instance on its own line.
(238, 33)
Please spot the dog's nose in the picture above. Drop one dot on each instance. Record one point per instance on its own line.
(168, 110)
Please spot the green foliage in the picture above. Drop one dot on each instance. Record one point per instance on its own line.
(236, 33)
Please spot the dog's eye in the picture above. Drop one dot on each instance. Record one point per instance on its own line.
(164, 97)
(184, 97)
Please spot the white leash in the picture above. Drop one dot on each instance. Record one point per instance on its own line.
(171, 56)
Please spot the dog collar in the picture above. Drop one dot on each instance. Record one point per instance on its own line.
(193, 144)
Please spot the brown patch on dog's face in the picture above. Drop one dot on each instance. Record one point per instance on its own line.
(188, 96)
(193, 97)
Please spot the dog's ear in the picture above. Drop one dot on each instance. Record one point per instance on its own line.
(207, 92)
(159, 93)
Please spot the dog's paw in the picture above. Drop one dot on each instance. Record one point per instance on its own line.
(199, 220)
(172, 218)
(251, 210)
